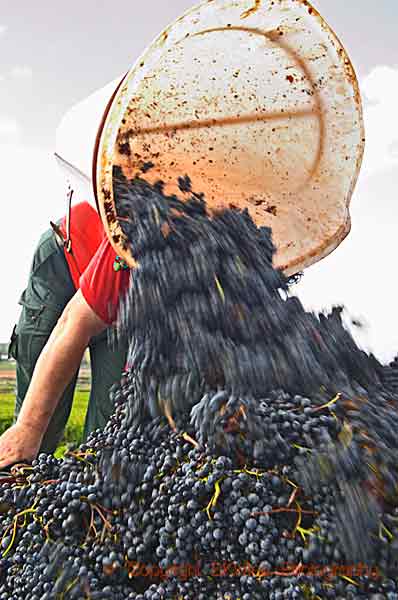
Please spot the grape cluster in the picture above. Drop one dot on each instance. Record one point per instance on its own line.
(147, 515)
(221, 317)
(251, 454)
(389, 375)
(205, 302)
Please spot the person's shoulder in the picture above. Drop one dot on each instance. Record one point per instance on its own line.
(84, 207)
(103, 259)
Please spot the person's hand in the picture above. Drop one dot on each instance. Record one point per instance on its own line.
(20, 443)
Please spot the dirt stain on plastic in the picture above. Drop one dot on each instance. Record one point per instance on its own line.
(252, 10)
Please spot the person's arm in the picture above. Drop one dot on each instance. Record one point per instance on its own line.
(57, 364)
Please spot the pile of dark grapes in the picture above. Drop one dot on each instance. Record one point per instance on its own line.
(252, 452)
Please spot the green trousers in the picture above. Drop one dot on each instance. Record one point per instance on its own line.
(50, 288)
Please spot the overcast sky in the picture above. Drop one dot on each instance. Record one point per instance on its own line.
(53, 54)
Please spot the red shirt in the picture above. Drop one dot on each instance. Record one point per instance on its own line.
(91, 262)
(86, 234)
(101, 285)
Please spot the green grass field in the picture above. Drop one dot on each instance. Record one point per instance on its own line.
(74, 428)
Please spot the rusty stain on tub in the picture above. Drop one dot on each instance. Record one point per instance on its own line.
(252, 10)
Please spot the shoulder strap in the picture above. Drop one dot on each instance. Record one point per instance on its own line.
(68, 241)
